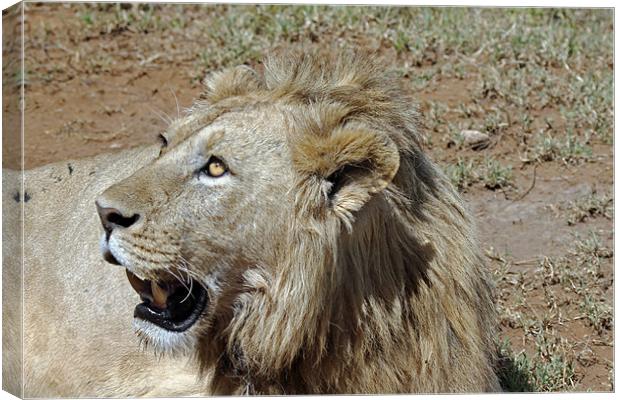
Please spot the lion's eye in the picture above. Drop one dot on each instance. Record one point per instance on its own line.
(215, 167)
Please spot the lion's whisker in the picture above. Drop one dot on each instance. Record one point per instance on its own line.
(178, 279)
(190, 272)
(177, 103)
(199, 280)
(189, 292)
(162, 115)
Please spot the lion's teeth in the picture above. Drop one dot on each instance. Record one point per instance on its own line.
(160, 295)
(137, 284)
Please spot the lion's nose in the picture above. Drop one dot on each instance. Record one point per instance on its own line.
(112, 218)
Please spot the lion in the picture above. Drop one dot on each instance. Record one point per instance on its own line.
(294, 238)
(289, 235)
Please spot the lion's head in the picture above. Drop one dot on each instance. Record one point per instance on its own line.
(291, 221)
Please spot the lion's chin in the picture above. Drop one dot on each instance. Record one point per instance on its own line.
(163, 341)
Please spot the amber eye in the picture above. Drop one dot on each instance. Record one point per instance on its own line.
(215, 167)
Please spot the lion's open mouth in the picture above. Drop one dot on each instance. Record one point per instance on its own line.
(170, 305)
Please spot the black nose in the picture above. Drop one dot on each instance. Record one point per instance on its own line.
(112, 218)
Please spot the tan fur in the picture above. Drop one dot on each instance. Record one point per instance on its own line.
(77, 311)
(337, 256)
(11, 285)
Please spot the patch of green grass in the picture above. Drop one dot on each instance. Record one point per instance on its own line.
(514, 370)
(598, 313)
(589, 206)
(591, 105)
(138, 18)
(495, 176)
(490, 172)
(555, 271)
(590, 247)
(435, 117)
(549, 370)
(580, 271)
(495, 121)
(561, 292)
(521, 60)
(589, 253)
(21, 76)
(141, 18)
(87, 18)
(575, 149)
(401, 42)
(571, 150)
(552, 370)
(462, 174)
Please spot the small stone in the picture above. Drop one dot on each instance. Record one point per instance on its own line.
(475, 139)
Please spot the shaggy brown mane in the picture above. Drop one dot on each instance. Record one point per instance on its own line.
(380, 285)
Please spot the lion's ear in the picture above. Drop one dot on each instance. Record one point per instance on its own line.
(351, 164)
(230, 82)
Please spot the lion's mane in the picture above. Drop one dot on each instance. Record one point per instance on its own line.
(386, 292)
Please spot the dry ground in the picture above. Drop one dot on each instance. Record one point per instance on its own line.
(539, 82)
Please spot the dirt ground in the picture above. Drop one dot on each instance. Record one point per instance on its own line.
(538, 82)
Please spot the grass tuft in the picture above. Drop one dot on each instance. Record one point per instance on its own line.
(570, 149)
(495, 176)
(589, 206)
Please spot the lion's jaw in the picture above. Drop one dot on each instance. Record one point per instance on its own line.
(192, 231)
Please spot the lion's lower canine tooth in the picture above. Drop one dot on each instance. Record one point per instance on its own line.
(160, 295)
